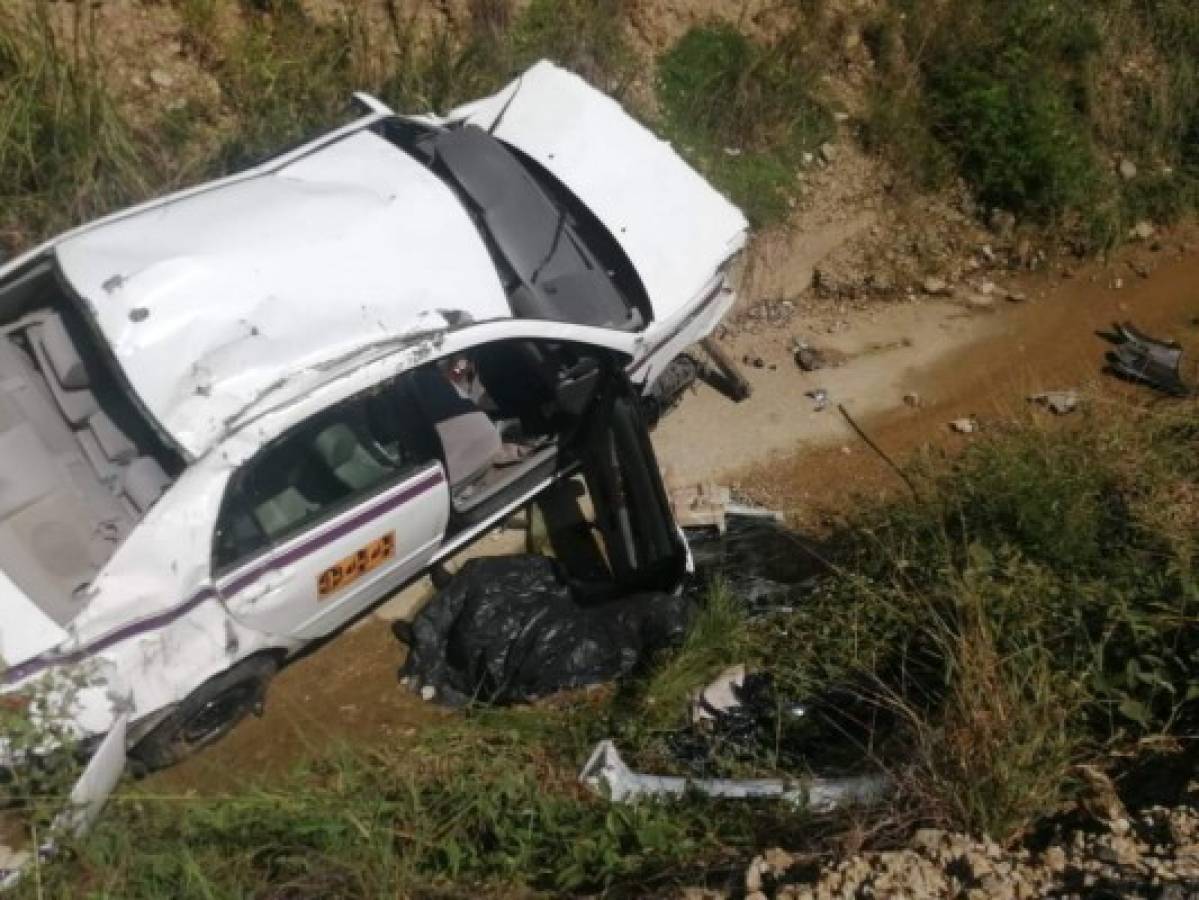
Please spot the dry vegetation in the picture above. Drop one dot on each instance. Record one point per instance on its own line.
(1031, 609)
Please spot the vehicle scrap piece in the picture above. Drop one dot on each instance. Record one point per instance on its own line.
(510, 629)
(1141, 358)
(608, 775)
(1057, 402)
(708, 505)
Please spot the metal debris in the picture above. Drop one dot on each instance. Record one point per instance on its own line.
(965, 425)
(708, 505)
(1057, 402)
(1146, 360)
(608, 775)
(819, 397)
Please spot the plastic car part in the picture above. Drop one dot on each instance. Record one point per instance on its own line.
(1147, 360)
(607, 774)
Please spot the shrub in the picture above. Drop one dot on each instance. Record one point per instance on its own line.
(1032, 608)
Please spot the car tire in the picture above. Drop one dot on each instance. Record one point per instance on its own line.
(207, 714)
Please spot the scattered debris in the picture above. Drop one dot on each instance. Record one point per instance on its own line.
(819, 397)
(1144, 359)
(913, 399)
(608, 775)
(756, 361)
(722, 695)
(1016, 296)
(512, 628)
(1058, 402)
(981, 302)
(768, 566)
(966, 425)
(708, 505)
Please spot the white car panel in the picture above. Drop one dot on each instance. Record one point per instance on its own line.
(377, 543)
(676, 229)
(25, 631)
(210, 302)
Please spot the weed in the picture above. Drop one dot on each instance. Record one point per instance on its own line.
(476, 806)
(718, 639)
(66, 154)
(744, 112)
(1033, 607)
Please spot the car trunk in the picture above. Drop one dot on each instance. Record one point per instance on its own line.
(83, 465)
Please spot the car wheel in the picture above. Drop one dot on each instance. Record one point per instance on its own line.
(207, 714)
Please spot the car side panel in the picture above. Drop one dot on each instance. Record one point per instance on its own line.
(314, 582)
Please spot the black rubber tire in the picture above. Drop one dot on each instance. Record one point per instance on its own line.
(207, 714)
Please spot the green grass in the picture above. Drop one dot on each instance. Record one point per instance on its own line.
(478, 809)
(66, 152)
(1029, 101)
(1033, 607)
(743, 113)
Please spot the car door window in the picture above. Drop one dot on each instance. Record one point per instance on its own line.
(319, 468)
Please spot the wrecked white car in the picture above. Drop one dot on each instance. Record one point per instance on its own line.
(235, 419)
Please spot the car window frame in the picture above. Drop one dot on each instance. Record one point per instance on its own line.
(326, 513)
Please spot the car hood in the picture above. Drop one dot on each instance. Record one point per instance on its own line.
(25, 631)
(675, 227)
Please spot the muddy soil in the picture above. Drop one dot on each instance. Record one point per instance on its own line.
(959, 360)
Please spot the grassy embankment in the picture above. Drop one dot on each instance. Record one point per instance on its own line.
(1032, 608)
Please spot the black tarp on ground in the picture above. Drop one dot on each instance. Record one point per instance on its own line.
(511, 629)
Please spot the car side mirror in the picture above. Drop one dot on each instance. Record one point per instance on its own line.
(578, 386)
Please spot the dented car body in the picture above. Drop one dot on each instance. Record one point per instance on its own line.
(235, 419)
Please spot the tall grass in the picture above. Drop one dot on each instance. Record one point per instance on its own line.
(745, 113)
(66, 153)
(1036, 607)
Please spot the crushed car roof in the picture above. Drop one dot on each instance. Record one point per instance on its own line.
(210, 300)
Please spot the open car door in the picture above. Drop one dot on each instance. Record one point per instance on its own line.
(646, 550)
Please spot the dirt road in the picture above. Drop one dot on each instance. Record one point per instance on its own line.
(960, 360)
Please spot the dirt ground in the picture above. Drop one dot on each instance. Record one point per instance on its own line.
(959, 360)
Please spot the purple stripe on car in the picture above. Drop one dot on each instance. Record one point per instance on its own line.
(287, 557)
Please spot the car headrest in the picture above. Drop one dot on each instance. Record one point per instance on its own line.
(64, 358)
(144, 482)
(336, 445)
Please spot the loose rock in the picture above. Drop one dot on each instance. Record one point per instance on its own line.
(936, 287)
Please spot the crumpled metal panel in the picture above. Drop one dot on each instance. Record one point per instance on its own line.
(214, 299)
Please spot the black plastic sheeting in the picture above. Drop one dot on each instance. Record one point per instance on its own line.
(511, 629)
(768, 567)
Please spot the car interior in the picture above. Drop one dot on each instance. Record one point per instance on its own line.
(82, 466)
(489, 416)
